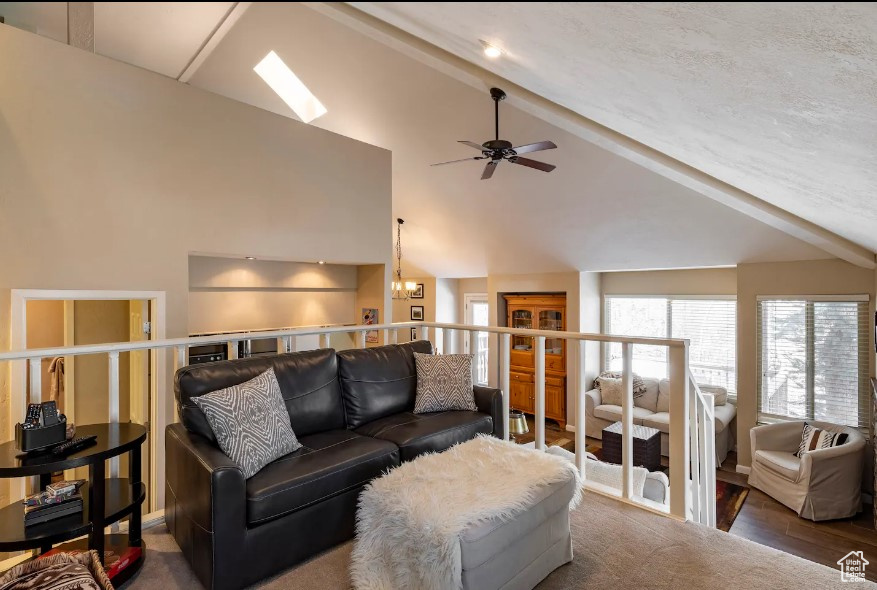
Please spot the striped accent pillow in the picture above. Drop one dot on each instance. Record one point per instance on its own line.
(813, 438)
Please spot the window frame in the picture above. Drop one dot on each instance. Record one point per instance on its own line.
(604, 319)
(810, 352)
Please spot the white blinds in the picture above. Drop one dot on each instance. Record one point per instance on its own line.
(710, 325)
(813, 359)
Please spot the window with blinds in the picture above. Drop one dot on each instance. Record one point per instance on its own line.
(709, 324)
(813, 359)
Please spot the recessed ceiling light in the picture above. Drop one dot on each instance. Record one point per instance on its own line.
(288, 87)
(250, 257)
(491, 50)
(321, 262)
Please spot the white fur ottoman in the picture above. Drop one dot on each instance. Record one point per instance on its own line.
(485, 515)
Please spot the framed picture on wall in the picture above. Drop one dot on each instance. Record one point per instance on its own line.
(417, 313)
(418, 292)
(413, 334)
(370, 318)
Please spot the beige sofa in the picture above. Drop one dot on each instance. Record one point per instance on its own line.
(653, 409)
(822, 484)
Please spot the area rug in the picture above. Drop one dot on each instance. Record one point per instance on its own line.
(729, 497)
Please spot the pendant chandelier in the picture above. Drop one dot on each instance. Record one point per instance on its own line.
(402, 289)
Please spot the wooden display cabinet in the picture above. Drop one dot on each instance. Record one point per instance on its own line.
(538, 312)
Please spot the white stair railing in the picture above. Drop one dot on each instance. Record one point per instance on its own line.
(692, 440)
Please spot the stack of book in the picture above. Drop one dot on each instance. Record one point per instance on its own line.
(59, 499)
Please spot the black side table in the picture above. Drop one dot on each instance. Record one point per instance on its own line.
(105, 500)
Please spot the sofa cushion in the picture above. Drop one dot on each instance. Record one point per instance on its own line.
(444, 382)
(416, 434)
(308, 383)
(380, 381)
(659, 420)
(329, 463)
(720, 394)
(781, 462)
(250, 422)
(613, 413)
(649, 399)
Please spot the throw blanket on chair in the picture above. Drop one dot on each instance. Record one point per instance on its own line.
(410, 521)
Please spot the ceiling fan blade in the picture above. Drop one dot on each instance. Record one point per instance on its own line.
(472, 144)
(488, 170)
(463, 160)
(535, 147)
(532, 164)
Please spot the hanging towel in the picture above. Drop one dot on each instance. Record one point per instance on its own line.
(56, 375)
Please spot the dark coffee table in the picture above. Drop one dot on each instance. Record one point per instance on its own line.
(646, 446)
(106, 500)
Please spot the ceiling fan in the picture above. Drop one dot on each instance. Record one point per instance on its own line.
(497, 150)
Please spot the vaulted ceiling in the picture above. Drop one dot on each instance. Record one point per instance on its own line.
(597, 211)
(777, 99)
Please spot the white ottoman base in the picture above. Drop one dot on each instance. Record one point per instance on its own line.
(517, 554)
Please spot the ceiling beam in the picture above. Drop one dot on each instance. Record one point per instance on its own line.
(213, 39)
(598, 134)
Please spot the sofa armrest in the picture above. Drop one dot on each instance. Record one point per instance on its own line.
(489, 401)
(782, 436)
(592, 400)
(208, 487)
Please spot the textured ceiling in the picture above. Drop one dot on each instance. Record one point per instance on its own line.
(597, 211)
(777, 99)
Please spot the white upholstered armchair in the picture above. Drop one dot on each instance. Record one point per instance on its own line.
(822, 484)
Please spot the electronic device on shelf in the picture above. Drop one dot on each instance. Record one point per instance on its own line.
(43, 428)
(74, 444)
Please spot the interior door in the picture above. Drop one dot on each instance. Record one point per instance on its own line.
(139, 328)
(477, 315)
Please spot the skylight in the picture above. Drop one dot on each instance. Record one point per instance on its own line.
(288, 87)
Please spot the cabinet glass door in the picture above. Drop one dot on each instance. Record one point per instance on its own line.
(522, 319)
(552, 319)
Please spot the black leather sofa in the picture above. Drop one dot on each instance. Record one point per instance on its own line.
(352, 412)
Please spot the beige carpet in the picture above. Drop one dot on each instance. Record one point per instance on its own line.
(615, 546)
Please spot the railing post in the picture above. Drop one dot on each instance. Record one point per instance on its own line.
(36, 380)
(505, 344)
(437, 335)
(423, 332)
(394, 336)
(386, 335)
(473, 343)
(324, 341)
(291, 343)
(627, 420)
(540, 393)
(708, 459)
(581, 389)
(114, 403)
(447, 337)
(695, 421)
(679, 449)
(360, 339)
(231, 351)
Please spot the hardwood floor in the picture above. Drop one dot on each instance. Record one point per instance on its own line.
(764, 520)
(767, 522)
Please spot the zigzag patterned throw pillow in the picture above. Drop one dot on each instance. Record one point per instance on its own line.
(250, 422)
(813, 439)
(444, 382)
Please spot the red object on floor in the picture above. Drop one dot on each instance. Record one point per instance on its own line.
(113, 564)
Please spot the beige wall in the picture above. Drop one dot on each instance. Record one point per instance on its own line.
(818, 277)
(705, 281)
(371, 281)
(113, 175)
(234, 294)
(45, 328)
(100, 322)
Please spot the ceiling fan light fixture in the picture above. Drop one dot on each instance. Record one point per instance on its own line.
(491, 50)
